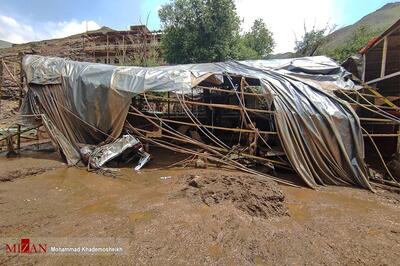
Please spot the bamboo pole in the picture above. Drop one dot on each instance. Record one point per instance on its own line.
(385, 100)
(246, 155)
(372, 105)
(379, 153)
(382, 135)
(248, 117)
(107, 50)
(215, 105)
(202, 145)
(364, 94)
(21, 80)
(374, 91)
(1, 80)
(23, 131)
(123, 49)
(229, 163)
(369, 109)
(200, 126)
(368, 119)
(18, 83)
(207, 126)
(19, 137)
(230, 91)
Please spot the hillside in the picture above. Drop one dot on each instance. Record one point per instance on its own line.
(67, 47)
(379, 21)
(4, 44)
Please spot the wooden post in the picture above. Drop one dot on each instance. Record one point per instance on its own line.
(169, 106)
(1, 80)
(21, 78)
(19, 138)
(191, 99)
(123, 49)
(384, 52)
(364, 65)
(398, 141)
(107, 51)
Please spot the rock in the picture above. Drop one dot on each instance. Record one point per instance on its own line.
(196, 182)
(200, 163)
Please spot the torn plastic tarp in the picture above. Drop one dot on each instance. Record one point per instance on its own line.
(320, 133)
(51, 70)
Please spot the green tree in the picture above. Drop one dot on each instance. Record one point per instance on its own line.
(199, 30)
(360, 38)
(259, 39)
(243, 51)
(311, 40)
(144, 58)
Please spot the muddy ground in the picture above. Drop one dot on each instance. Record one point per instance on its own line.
(194, 216)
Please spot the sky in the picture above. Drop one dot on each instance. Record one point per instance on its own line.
(31, 20)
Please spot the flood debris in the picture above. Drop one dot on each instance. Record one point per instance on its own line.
(97, 157)
(252, 116)
(251, 194)
(23, 172)
(394, 166)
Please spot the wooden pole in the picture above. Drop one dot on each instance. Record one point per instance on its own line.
(384, 53)
(379, 120)
(107, 51)
(1, 80)
(169, 110)
(246, 155)
(231, 91)
(21, 80)
(364, 66)
(207, 126)
(23, 131)
(123, 49)
(398, 142)
(19, 137)
(18, 83)
(383, 135)
(215, 105)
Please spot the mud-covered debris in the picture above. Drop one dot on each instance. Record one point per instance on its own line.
(394, 166)
(23, 172)
(252, 194)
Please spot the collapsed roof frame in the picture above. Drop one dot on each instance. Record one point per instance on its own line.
(333, 136)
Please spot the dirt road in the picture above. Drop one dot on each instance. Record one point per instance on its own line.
(167, 225)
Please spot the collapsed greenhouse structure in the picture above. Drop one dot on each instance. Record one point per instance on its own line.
(292, 114)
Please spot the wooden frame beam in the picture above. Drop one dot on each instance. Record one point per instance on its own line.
(384, 53)
(395, 74)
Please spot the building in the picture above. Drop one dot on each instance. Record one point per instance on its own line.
(381, 70)
(119, 47)
(382, 63)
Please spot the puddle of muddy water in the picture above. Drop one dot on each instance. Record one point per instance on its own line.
(138, 205)
(306, 204)
(141, 216)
